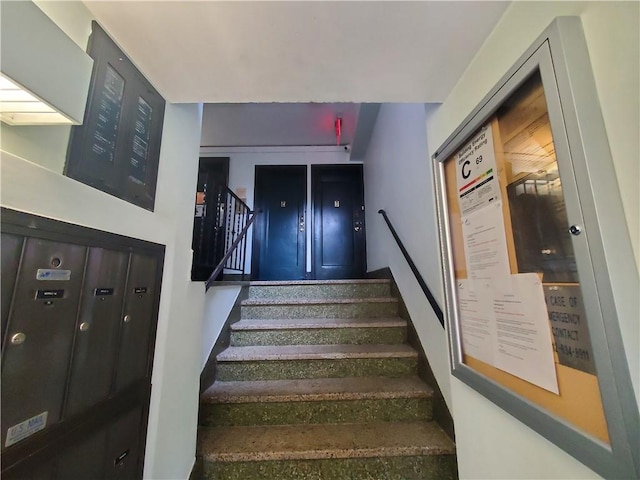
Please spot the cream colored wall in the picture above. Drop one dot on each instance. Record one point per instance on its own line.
(491, 444)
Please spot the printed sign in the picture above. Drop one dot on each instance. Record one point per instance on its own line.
(477, 177)
(53, 274)
(25, 429)
(567, 318)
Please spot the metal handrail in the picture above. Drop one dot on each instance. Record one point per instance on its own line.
(230, 251)
(234, 217)
(432, 301)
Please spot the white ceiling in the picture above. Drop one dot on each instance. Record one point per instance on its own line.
(277, 124)
(210, 51)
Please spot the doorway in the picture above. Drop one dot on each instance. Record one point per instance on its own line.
(338, 247)
(208, 226)
(279, 238)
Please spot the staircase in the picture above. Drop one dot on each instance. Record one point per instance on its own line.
(319, 383)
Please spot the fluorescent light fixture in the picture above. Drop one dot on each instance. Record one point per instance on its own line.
(44, 75)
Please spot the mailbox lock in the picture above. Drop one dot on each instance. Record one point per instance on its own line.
(18, 338)
(575, 230)
(84, 326)
(127, 318)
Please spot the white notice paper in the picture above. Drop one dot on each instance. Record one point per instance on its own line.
(485, 243)
(476, 174)
(524, 346)
(477, 322)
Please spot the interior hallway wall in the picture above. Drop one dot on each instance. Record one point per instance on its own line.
(31, 165)
(491, 444)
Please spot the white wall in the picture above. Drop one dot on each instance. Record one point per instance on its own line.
(491, 444)
(218, 304)
(398, 179)
(242, 170)
(40, 189)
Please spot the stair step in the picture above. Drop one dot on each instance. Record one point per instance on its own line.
(374, 307)
(315, 361)
(325, 400)
(314, 331)
(321, 289)
(417, 450)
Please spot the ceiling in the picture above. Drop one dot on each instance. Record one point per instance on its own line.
(277, 124)
(242, 52)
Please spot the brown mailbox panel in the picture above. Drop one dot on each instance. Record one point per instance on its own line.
(39, 337)
(10, 250)
(137, 320)
(95, 350)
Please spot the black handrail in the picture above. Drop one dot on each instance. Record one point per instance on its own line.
(232, 222)
(432, 301)
(234, 245)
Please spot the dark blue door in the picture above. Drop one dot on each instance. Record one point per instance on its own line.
(279, 251)
(338, 222)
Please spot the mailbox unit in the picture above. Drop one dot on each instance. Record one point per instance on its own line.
(79, 313)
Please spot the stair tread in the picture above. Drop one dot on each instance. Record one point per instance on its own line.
(315, 352)
(301, 390)
(315, 301)
(277, 283)
(307, 442)
(301, 323)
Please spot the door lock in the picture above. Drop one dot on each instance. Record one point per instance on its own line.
(302, 223)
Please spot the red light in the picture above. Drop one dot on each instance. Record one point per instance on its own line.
(338, 125)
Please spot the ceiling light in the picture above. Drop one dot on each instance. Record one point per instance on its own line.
(44, 75)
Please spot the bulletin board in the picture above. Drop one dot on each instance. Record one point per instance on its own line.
(525, 313)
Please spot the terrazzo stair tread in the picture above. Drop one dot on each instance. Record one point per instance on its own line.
(321, 389)
(323, 441)
(277, 283)
(260, 302)
(315, 352)
(316, 323)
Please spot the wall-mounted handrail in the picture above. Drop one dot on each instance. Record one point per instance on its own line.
(432, 301)
(221, 265)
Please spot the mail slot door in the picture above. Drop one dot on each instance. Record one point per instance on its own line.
(85, 459)
(95, 350)
(123, 447)
(39, 337)
(137, 320)
(10, 250)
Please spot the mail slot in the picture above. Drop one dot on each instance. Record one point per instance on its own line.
(10, 250)
(137, 320)
(123, 447)
(39, 337)
(95, 350)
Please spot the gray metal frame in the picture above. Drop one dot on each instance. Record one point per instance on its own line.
(603, 252)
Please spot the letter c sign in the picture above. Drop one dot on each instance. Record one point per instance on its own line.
(465, 174)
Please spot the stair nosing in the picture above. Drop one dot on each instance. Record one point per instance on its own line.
(259, 324)
(439, 444)
(260, 302)
(222, 392)
(285, 283)
(306, 352)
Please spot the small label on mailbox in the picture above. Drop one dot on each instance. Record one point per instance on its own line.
(140, 290)
(25, 429)
(103, 292)
(53, 274)
(40, 294)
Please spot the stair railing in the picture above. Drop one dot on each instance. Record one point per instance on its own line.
(236, 218)
(423, 285)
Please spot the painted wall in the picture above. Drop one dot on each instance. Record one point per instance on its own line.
(491, 444)
(217, 307)
(33, 184)
(398, 179)
(242, 169)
